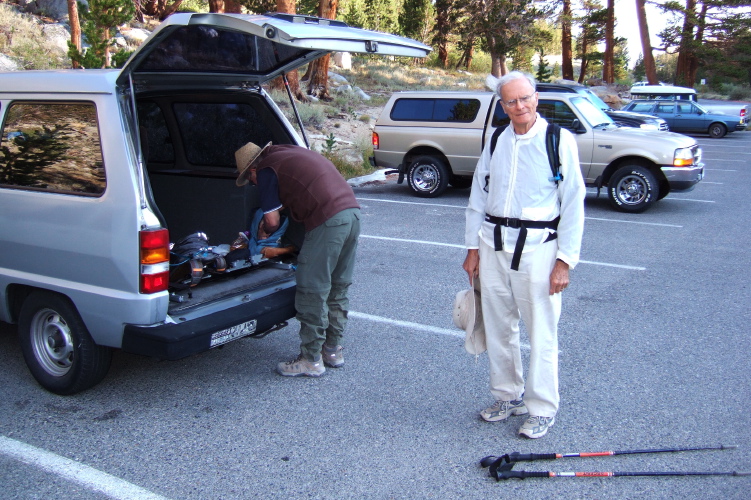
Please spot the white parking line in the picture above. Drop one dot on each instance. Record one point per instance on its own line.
(422, 242)
(71, 470)
(634, 222)
(413, 203)
(688, 199)
(414, 326)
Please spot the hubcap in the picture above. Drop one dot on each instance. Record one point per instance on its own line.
(425, 177)
(52, 342)
(632, 190)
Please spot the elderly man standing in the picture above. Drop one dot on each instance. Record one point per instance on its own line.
(317, 195)
(523, 234)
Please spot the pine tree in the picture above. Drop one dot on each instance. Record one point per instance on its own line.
(100, 17)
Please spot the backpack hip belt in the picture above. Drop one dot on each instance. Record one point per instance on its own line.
(522, 225)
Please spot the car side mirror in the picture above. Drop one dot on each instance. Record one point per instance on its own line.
(577, 127)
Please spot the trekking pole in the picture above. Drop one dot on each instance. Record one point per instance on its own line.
(491, 460)
(522, 474)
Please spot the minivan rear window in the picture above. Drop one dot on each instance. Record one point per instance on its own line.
(435, 110)
(52, 147)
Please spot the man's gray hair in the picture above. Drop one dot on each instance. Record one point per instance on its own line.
(496, 84)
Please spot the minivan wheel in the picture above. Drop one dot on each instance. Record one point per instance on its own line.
(717, 131)
(57, 347)
(633, 188)
(428, 176)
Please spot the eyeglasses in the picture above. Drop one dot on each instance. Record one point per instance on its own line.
(521, 100)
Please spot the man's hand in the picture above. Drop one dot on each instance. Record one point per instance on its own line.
(559, 278)
(472, 264)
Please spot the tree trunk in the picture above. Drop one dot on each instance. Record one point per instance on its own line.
(232, 7)
(686, 49)
(75, 27)
(608, 67)
(318, 82)
(567, 64)
(216, 6)
(288, 7)
(646, 45)
(583, 68)
(693, 66)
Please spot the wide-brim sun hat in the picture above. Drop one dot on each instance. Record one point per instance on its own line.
(468, 316)
(244, 158)
(492, 83)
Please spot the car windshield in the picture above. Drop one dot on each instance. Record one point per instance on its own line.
(595, 117)
(596, 99)
(700, 107)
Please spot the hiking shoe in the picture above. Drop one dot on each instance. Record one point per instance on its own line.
(536, 427)
(501, 410)
(333, 357)
(301, 367)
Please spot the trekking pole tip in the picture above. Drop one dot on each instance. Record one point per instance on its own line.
(488, 461)
(742, 473)
(728, 446)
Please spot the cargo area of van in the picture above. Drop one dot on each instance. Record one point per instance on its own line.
(188, 143)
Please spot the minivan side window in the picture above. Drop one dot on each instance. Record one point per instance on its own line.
(52, 147)
(435, 110)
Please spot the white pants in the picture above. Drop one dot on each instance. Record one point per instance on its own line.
(506, 296)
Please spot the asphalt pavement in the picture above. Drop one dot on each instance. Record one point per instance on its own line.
(654, 341)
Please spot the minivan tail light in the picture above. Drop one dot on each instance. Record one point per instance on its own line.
(154, 261)
(376, 141)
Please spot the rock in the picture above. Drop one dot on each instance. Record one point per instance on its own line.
(55, 9)
(425, 80)
(460, 84)
(361, 94)
(8, 64)
(337, 78)
(343, 60)
(344, 89)
(134, 36)
(58, 34)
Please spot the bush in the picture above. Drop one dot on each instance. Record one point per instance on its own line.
(739, 93)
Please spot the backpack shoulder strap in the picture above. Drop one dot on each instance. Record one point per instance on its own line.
(494, 138)
(552, 140)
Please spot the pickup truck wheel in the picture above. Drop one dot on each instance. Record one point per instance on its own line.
(428, 176)
(57, 347)
(633, 188)
(717, 131)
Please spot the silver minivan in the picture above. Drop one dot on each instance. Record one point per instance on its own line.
(118, 203)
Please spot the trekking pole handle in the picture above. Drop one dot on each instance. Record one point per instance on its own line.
(519, 474)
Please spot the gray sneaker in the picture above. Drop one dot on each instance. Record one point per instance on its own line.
(333, 357)
(501, 410)
(301, 367)
(536, 427)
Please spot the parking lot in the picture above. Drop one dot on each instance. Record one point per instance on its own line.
(654, 341)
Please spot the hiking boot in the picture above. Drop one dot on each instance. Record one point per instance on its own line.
(536, 427)
(501, 410)
(301, 367)
(333, 357)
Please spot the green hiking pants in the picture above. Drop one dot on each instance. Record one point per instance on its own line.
(324, 273)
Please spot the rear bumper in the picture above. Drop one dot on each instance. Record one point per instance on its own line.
(683, 178)
(184, 338)
(741, 126)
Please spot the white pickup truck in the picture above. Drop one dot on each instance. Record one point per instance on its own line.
(435, 139)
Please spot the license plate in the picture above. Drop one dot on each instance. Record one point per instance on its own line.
(232, 333)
